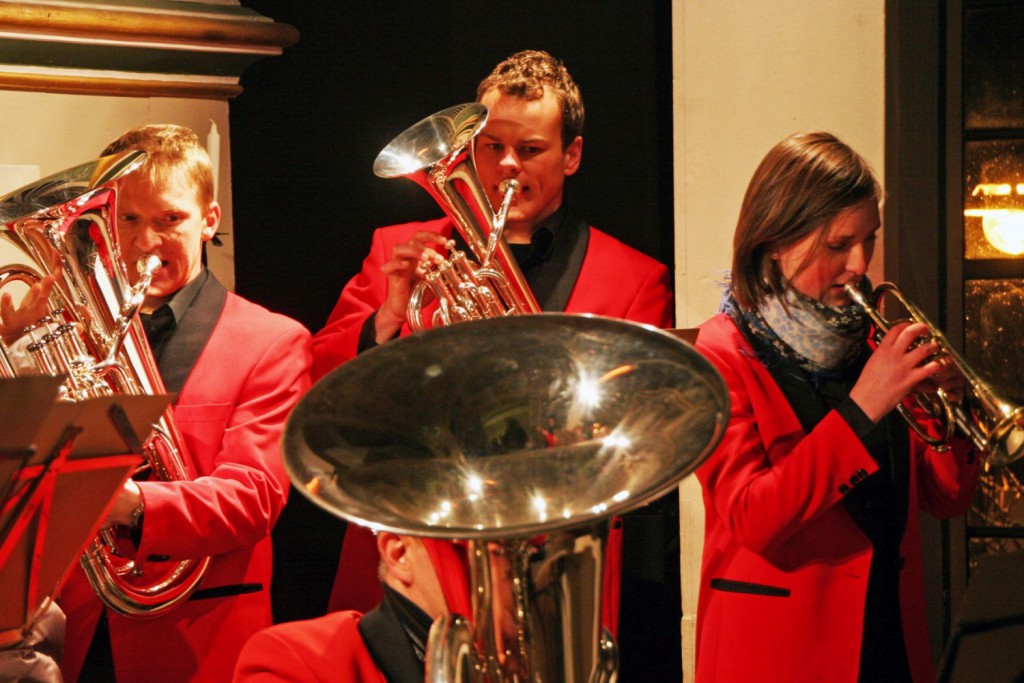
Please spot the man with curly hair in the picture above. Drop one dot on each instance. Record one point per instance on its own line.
(534, 135)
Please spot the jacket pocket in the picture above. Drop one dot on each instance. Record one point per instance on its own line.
(203, 427)
(200, 413)
(730, 586)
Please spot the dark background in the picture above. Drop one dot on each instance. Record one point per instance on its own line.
(304, 134)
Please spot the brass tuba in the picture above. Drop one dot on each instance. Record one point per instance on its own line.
(994, 425)
(435, 154)
(519, 437)
(66, 224)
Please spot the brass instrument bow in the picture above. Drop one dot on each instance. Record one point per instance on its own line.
(440, 435)
(435, 154)
(65, 224)
(994, 425)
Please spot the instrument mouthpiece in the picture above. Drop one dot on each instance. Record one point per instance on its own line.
(148, 264)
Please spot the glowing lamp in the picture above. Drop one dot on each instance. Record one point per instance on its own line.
(1001, 208)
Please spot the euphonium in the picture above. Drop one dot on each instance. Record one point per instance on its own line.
(994, 425)
(435, 153)
(65, 225)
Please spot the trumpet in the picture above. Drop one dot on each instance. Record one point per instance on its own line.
(994, 425)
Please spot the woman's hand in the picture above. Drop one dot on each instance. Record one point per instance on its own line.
(949, 378)
(897, 368)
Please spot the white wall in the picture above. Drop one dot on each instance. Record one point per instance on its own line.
(56, 132)
(746, 74)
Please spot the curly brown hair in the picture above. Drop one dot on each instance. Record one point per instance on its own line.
(527, 74)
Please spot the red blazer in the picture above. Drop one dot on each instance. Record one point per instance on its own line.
(615, 280)
(325, 650)
(773, 518)
(231, 412)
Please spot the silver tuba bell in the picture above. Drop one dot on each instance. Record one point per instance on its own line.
(435, 154)
(65, 225)
(519, 437)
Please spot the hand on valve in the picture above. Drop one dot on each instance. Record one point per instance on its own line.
(409, 261)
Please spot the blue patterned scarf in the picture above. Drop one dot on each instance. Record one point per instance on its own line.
(817, 337)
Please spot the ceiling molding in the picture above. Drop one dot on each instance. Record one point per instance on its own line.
(140, 48)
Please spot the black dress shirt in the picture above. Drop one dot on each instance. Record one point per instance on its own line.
(877, 504)
(161, 323)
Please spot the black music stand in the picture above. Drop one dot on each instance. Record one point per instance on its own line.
(985, 645)
(687, 334)
(61, 464)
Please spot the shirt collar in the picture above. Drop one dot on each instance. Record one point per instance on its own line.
(184, 297)
(541, 241)
(414, 621)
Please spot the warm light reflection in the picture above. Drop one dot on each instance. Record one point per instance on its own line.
(444, 512)
(588, 393)
(616, 441)
(541, 506)
(997, 189)
(1005, 231)
(475, 486)
(620, 496)
(617, 372)
(1002, 215)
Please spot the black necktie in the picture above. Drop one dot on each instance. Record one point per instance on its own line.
(158, 327)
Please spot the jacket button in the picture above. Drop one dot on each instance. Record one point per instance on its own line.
(844, 489)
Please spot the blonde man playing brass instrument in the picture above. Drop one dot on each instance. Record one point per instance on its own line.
(812, 564)
(237, 370)
(533, 135)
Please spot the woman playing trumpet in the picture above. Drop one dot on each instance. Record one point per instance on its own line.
(812, 563)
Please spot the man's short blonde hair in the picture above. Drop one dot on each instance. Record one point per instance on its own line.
(170, 149)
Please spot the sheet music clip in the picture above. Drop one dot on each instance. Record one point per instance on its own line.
(61, 464)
